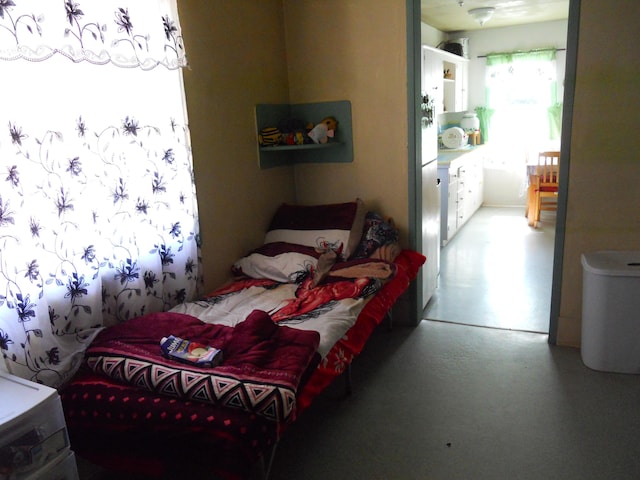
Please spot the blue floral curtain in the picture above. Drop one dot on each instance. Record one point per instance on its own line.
(98, 215)
(143, 34)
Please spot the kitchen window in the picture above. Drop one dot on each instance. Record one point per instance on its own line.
(522, 101)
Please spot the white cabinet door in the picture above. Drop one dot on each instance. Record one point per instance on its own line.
(464, 185)
(452, 206)
(456, 96)
(463, 192)
(462, 87)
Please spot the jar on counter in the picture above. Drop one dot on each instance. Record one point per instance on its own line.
(470, 122)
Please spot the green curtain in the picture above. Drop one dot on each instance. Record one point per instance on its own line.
(554, 112)
(546, 54)
(484, 115)
(555, 120)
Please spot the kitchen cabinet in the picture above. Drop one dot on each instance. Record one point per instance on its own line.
(455, 88)
(462, 188)
(451, 79)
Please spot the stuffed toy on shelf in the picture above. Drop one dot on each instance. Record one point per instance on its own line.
(269, 136)
(323, 130)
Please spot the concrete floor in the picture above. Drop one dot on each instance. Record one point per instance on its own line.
(496, 272)
(444, 401)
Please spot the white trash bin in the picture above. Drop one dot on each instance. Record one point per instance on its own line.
(611, 311)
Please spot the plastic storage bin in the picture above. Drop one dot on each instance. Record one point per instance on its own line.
(611, 311)
(32, 428)
(63, 468)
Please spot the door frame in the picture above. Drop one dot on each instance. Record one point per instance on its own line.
(565, 158)
(414, 45)
(414, 144)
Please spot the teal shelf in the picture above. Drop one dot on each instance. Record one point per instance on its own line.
(309, 146)
(337, 150)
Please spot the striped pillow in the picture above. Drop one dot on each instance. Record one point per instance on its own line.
(337, 227)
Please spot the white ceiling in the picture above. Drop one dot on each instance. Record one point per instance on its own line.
(450, 16)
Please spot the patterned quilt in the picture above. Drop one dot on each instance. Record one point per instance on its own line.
(262, 368)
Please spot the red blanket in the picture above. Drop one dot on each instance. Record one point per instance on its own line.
(263, 365)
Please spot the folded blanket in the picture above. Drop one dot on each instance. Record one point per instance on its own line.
(262, 369)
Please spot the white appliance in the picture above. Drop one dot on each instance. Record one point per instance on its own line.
(430, 213)
(429, 206)
(454, 138)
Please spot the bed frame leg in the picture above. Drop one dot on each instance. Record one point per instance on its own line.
(272, 455)
(348, 389)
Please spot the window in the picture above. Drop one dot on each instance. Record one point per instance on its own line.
(522, 99)
(98, 216)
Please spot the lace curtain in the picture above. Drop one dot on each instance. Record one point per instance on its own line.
(142, 34)
(98, 216)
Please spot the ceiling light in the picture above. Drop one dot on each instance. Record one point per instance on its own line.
(481, 15)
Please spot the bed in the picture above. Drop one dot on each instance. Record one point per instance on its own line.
(299, 310)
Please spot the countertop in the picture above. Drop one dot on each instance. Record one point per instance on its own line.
(447, 155)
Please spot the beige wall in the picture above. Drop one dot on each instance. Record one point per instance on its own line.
(355, 50)
(237, 58)
(333, 50)
(604, 190)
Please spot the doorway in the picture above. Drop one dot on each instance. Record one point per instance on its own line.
(467, 300)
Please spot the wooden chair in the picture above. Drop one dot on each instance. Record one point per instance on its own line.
(543, 186)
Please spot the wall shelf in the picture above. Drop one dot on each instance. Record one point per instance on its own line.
(330, 144)
(337, 150)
